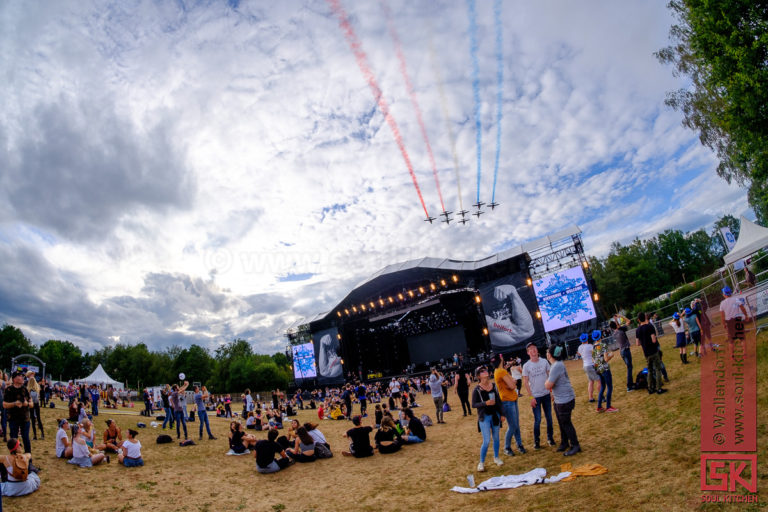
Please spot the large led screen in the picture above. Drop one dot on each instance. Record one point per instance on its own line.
(564, 299)
(507, 303)
(304, 361)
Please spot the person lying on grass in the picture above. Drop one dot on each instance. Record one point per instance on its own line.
(81, 455)
(113, 438)
(360, 437)
(130, 455)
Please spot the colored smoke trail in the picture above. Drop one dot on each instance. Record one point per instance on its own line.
(362, 62)
(499, 90)
(446, 116)
(475, 86)
(412, 94)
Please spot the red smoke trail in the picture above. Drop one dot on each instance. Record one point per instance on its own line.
(362, 62)
(412, 94)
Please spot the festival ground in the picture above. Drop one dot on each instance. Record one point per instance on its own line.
(650, 447)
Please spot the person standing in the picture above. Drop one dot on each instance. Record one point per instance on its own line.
(601, 355)
(489, 415)
(463, 380)
(17, 402)
(733, 314)
(147, 403)
(3, 412)
(508, 395)
(34, 409)
(535, 373)
(94, 392)
(178, 410)
(436, 389)
(679, 327)
(694, 328)
(361, 391)
(620, 335)
(165, 395)
(585, 351)
(347, 397)
(646, 338)
(202, 414)
(559, 384)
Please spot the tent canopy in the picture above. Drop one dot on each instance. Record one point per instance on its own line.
(752, 238)
(99, 376)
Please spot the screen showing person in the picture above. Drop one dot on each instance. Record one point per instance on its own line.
(329, 359)
(508, 319)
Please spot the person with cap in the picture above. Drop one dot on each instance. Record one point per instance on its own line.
(679, 327)
(694, 328)
(535, 373)
(646, 338)
(585, 351)
(601, 355)
(564, 397)
(22, 478)
(733, 314)
(508, 395)
(699, 308)
(17, 402)
(485, 398)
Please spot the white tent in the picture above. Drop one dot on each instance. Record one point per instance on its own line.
(99, 376)
(752, 238)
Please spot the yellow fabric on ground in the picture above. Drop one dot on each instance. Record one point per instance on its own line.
(585, 470)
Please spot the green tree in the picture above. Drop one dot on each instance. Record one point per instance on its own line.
(722, 47)
(13, 343)
(63, 359)
(195, 362)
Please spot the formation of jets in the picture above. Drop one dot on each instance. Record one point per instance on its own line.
(463, 213)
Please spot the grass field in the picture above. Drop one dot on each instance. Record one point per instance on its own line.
(650, 447)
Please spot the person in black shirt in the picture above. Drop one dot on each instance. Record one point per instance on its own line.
(646, 338)
(463, 381)
(361, 442)
(416, 431)
(387, 438)
(265, 451)
(17, 402)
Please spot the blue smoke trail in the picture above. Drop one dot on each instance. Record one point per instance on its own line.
(475, 85)
(499, 90)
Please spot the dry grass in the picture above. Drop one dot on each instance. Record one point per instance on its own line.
(650, 447)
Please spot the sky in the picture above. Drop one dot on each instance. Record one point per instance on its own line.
(194, 172)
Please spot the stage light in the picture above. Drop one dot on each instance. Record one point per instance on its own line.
(338, 313)
(342, 361)
(432, 286)
(538, 314)
(442, 282)
(372, 305)
(362, 307)
(455, 278)
(485, 331)
(421, 289)
(478, 299)
(596, 297)
(529, 281)
(391, 300)
(354, 309)
(410, 293)
(381, 302)
(338, 336)
(400, 296)
(585, 264)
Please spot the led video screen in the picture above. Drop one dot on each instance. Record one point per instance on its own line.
(304, 361)
(564, 299)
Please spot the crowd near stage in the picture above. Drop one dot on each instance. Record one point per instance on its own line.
(429, 312)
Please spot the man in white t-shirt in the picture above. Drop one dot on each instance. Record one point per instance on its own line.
(585, 351)
(733, 313)
(535, 373)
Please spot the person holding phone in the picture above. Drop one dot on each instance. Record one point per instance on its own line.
(489, 415)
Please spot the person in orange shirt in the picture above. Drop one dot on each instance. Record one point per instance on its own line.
(508, 394)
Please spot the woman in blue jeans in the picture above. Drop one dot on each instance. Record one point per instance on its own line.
(485, 398)
(601, 355)
(202, 413)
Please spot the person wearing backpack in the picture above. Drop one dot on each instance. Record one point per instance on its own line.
(601, 355)
(17, 464)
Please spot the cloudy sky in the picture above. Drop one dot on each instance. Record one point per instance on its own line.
(191, 172)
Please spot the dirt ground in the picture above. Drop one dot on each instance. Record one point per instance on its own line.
(650, 447)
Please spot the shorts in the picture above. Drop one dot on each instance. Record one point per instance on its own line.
(591, 373)
(133, 463)
(730, 326)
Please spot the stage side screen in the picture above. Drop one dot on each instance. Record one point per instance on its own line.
(507, 304)
(434, 345)
(304, 361)
(564, 299)
(328, 350)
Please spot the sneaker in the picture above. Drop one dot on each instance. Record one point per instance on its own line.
(592, 400)
(536, 446)
(661, 391)
(573, 451)
(551, 442)
(498, 461)
(481, 467)
(509, 452)
(611, 409)
(521, 449)
(212, 438)
(629, 390)
(600, 409)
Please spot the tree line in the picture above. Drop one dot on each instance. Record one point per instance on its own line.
(231, 368)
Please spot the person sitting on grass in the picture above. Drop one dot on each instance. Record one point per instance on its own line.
(89, 433)
(287, 441)
(304, 447)
(81, 455)
(264, 452)
(321, 412)
(318, 436)
(239, 441)
(17, 465)
(130, 456)
(378, 414)
(113, 438)
(361, 442)
(63, 445)
(387, 438)
(416, 433)
(250, 423)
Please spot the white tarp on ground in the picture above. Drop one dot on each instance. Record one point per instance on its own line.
(99, 376)
(752, 238)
